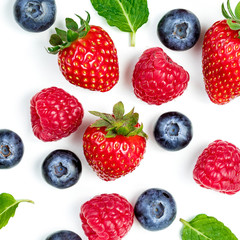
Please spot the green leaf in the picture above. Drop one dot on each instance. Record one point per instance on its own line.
(100, 123)
(107, 117)
(237, 10)
(62, 34)
(55, 40)
(8, 206)
(127, 15)
(225, 13)
(118, 110)
(233, 25)
(71, 35)
(71, 24)
(204, 227)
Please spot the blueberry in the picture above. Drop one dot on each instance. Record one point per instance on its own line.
(179, 29)
(173, 131)
(63, 235)
(155, 209)
(61, 168)
(11, 149)
(35, 15)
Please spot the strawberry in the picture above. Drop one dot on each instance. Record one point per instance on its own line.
(220, 58)
(114, 145)
(87, 56)
(218, 167)
(157, 79)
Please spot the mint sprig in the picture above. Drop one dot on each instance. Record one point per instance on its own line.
(126, 15)
(205, 227)
(8, 206)
(233, 18)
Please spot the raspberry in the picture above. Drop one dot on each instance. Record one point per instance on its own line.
(157, 79)
(55, 114)
(106, 217)
(218, 167)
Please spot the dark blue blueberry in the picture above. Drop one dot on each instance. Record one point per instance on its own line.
(35, 15)
(155, 209)
(64, 235)
(11, 149)
(62, 168)
(173, 131)
(179, 29)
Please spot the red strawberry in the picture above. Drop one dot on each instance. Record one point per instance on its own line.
(115, 144)
(107, 217)
(87, 56)
(218, 167)
(220, 59)
(55, 114)
(157, 79)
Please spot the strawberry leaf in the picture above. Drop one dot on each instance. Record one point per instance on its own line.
(8, 206)
(127, 15)
(237, 10)
(205, 227)
(71, 24)
(118, 110)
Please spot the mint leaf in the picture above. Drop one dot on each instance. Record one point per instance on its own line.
(127, 15)
(8, 206)
(204, 227)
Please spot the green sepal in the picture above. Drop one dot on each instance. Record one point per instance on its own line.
(233, 18)
(71, 24)
(63, 39)
(119, 123)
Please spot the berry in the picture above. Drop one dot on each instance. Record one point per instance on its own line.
(157, 79)
(155, 209)
(107, 216)
(179, 29)
(61, 168)
(55, 114)
(218, 167)
(87, 56)
(220, 60)
(35, 15)
(11, 149)
(173, 131)
(63, 235)
(114, 145)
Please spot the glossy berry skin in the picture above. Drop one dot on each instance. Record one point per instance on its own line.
(55, 114)
(11, 149)
(157, 79)
(173, 131)
(112, 158)
(63, 235)
(35, 15)
(155, 209)
(91, 62)
(62, 168)
(218, 167)
(220, 62)
(107, 216)
(179, 29)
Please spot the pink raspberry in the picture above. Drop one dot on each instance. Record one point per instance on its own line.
(218, 167)
(106, 217)
(157, 79)
(55, 114)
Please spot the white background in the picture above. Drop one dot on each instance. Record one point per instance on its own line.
(26, 68)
